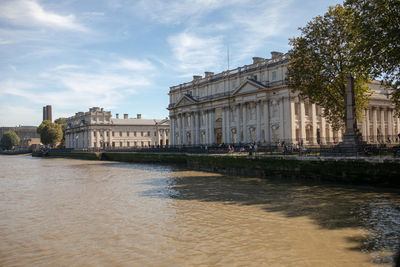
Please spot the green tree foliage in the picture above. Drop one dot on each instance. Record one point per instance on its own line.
(50, 133)
(377, 24)
(320, 61)
(9, 140)
(62, 122)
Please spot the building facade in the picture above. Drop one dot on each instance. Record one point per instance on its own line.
(23, 132)
(253, 104)
(98, 129)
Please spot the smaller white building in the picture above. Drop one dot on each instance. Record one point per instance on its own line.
(97, 129)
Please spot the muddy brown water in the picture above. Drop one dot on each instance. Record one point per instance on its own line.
(63, 212)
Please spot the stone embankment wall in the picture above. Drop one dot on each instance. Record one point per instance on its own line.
(356, 171)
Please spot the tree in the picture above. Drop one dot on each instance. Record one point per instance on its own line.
(377, 24)
(320, 61)
(9, 140)
(50, 133)
(62, 122)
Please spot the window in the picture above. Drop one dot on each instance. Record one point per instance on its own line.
(94, 144)
(135, 143)
(155, 133)
(127, 133)
(113, 144)
(127, 144)
(134, 134)
(149, 143)
(274, 75)
(307, 109)
(113, 134)
(120, 133)
(142, 143)
(141, 133)
(148, 133)
(108, 134)
(120, 144)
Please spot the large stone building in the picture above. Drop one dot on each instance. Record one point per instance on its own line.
(24, 132)
(253, 104)
(97, 129)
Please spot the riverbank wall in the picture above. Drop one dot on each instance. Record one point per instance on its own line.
(354, 171)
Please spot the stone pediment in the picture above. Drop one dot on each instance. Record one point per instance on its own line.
(185, 100)
(248, 86)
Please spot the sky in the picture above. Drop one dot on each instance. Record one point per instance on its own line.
(123, 55)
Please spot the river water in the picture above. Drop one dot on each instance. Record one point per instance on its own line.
(63, 212)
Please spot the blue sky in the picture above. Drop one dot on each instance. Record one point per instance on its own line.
(124, 55)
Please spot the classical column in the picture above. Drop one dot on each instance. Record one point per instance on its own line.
(292, 121)
(258, 127)
(207, 126)
(197, 115)
(323, 131)
(179, 130)
(184, 125)
(390, 123)
(228, 126)
(302, 122)
(158, 136)
(224, 125)
(330, 133)
(287, 130)
(314, 124)
(172, 130)
(383, 132)
(192, 131)
(212, 125)
(281, 120)
(374, 125)
(238, 139)
(266, 123)
(245, 139)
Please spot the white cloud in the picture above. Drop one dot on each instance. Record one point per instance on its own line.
(67, 66)
(15, 88)
(29, 13)
(177, 11)
(244, 26)
(100, 83)
(10, 114)
(196, 53)
(131, 64)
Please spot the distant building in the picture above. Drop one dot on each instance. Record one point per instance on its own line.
(25, 133)
(47, 113)
(97, 129)
(252, 103)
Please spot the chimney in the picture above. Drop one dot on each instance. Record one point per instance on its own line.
(275, 54)
(138, 116)
(117, 115)
(208, 74)
(257, 60)
(196, 77)
(125, 116)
